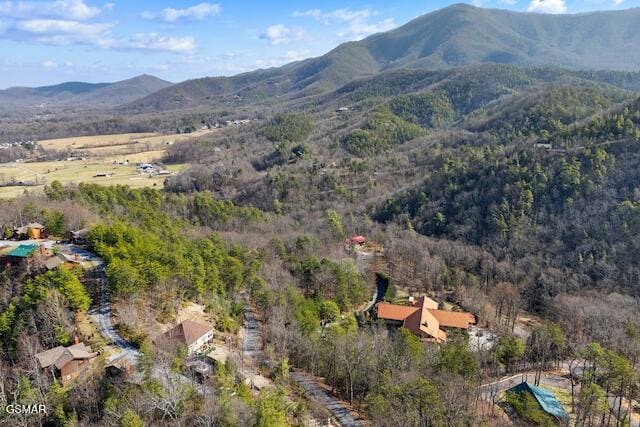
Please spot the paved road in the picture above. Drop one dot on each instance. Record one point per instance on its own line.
(102, 313)
(338, 409)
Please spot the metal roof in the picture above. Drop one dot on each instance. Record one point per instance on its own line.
(545, 398)
(23, 251)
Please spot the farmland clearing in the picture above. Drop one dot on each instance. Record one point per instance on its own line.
(101, 159)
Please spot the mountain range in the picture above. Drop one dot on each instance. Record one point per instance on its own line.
(451, 37)
(84, 94)
(455, 36)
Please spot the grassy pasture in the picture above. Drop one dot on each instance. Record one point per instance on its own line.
(101, 152)
(75, 172)
(88, 143)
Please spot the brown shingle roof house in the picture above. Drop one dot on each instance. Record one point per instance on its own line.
(423, 318)
(190, 334)
(67, 362)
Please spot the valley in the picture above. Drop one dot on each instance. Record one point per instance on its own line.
(436, 225)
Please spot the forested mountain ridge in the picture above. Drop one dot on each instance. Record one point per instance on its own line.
(451, 37)
(440, 160)
(80, 93)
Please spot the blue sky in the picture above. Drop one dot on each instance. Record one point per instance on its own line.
(50, 41)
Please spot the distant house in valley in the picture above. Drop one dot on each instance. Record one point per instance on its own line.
(423, 318)
(33, 230)
(189, 334)
(66, 363)
(545, 398)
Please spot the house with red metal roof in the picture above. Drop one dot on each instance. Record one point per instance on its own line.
(423, 318)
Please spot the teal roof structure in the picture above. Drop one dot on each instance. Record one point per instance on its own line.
(23, 251)
(545, 398)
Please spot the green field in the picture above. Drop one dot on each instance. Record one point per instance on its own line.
(75, 172)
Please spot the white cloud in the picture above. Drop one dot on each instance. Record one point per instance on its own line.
(313, 13)
(547, 6)
(618, 2)
(289, 56)
(155, 41)
(60, 32)
(280, 34)
(356, 24)
(193, 13)
(64, 9)
(49, 64)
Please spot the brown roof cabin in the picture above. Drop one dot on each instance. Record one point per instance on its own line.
(66, 363)
(33, 230)
(423, 318)
(189, 334)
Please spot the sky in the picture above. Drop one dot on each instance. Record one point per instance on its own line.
(51, 41)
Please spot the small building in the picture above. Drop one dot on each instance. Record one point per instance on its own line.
(545, 398)
(189, 334)
(28, 257)
(66, 363)
(33, 230)
(53, 262)
(23, 251)
(423, 318)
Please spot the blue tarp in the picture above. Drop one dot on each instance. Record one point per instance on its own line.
(545, 398)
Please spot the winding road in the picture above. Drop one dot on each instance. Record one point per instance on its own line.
(251, 347)
(102, 313)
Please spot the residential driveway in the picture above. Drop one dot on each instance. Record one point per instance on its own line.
(102, 313)
(338, 409)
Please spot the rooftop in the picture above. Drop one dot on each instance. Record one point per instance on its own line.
(185, 333)
(424, 319)
(23, 251)
(60, 356)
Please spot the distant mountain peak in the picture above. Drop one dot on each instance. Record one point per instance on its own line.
(90, 94)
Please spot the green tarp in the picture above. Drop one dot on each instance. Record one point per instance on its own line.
(545, 398)
(23, 251)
